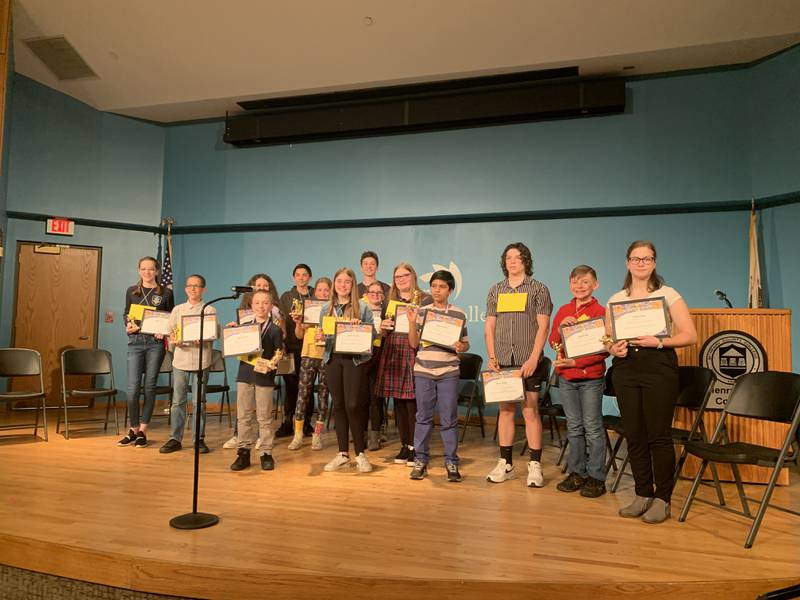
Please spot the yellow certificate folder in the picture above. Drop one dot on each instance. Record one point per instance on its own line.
(512, 302)
(136, 311)
(391, 308)
(329, 325)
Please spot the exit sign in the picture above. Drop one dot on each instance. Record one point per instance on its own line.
(58, 226)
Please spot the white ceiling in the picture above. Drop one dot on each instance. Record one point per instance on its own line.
(175, 60)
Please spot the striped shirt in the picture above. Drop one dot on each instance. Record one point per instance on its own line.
(438, 362)
(515, 332)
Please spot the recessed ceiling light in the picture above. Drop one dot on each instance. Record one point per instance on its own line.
(368, 21)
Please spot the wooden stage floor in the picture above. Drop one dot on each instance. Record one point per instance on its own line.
(88, 510)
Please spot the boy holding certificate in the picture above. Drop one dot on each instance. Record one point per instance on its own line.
(185, 361)
(441, 337)
(517, 322)
(580, 388)
(255, 383)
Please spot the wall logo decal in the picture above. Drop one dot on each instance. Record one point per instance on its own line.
(731, 354)
(453, 268)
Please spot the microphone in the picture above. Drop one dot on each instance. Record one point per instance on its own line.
(241, 289)
(723, 297)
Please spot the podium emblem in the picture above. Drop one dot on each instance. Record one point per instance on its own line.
(731, 354)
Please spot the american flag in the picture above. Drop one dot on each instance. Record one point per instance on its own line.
(166, 270)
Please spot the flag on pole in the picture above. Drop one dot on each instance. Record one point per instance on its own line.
(166, 263)
(754, 294)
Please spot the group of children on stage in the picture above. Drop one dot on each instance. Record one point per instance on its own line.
(421, 376)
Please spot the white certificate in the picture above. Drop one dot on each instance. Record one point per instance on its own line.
(311, 310)
(190, 328)
(376, 321)
(634, 318)
(155, 322)
(352, 338)
(245, 339)
(245, 316)
(584, 337)
(503, 386)
(401, 324)
(441, 329)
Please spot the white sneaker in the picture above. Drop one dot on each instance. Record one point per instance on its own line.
(296, 443)
(316, 441)
(535, 476)
(362, 464)
(501, 472)
(258, 444)
(231, 443)
(340, 461)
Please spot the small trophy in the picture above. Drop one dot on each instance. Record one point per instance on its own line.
(415, 297)
(557, 346)
(319, 337)
(607, 340)
(297, 307)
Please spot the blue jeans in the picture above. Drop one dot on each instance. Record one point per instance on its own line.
(180, 383)
(431, 392)
(583, 405)
(145, 354)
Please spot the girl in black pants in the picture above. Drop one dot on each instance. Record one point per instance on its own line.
(346, 374)
(645, 378)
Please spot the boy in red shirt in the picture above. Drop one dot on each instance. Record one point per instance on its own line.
(580, 386)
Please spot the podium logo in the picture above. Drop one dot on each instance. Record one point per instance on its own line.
(453, 268)
(731, 354)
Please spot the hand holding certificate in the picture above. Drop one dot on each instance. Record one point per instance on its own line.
(503, 386)
(311, 310)
(190, 328)
(639, 318)
(245, 339)
(583, 338)
(401, 322)
(353, 338)
(155, 322)
(441, 329)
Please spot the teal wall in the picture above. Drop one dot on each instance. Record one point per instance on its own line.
(708, 137)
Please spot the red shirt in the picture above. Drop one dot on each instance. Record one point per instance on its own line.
(586, 367)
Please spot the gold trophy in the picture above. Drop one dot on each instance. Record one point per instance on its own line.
(557, 346)
(607, 340)
(297, 307)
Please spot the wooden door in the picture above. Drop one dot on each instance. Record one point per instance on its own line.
(56, 306)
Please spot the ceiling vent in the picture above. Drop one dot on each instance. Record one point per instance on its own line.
(60, 57)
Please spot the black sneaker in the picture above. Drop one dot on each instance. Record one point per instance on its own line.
(242, 460)
(412, 458)
(285, 430)
(402, 456)
(203, 448)
(572, 483)
(267, 462)
(128, 439)
(453, 475)
(170, 446)
(141, 440)
(419, 471)
(594, 488)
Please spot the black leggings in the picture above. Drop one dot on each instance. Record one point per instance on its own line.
(406, 415)
(647, 385)
(347, 383)
(375, 403)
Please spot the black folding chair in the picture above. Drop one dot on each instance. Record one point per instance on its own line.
(469, 391)
(553, 412)
(770, 396)
(218, 366)
(21, 362)
(93, 362)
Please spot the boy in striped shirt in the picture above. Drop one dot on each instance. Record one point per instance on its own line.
(436, 372)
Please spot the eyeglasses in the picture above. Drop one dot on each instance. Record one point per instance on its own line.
(404, 276)
(638, 260)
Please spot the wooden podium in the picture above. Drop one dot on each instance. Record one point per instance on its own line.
(772, 328)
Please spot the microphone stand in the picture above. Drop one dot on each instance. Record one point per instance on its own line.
(194, 519)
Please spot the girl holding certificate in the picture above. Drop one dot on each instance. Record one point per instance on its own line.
(310, 368)
(145, 352)
(346, 374)
(645, 378)
(517, 322)
(396, 367)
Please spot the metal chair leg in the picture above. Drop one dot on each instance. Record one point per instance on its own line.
(695, 485)
(618, 478)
